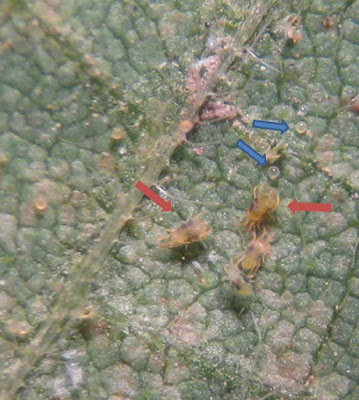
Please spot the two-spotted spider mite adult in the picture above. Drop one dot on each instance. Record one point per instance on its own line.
(238, 280)
(193, 230)
(264, 200)
(251, 259)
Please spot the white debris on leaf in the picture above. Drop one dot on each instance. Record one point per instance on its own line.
(213, 257)
(199, 75)
(75, 373)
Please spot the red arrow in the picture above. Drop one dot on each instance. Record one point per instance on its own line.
(316, 207)
(165, 205)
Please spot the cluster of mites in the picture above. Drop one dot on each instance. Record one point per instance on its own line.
(244, 266)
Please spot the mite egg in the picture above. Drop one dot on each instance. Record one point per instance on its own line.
(122, 150)
(40, 204)
(273, 173)
(117, 134)
(301, 127)
(3, 159)
(186, 126)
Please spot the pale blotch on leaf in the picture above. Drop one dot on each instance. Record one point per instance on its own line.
(84, 312)
(18, 329)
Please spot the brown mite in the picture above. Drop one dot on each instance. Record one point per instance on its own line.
(264, 201)
(291, 31)
(329, 22)
(354, 104)
(193, 230)
(252, 258)
(238, 280)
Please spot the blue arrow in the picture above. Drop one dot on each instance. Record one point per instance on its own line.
(261, 160)
(274, 126)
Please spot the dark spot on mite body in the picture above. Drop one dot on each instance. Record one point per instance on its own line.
(187, 224)
(236, 285)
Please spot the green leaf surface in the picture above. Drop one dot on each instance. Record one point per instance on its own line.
(95, 96)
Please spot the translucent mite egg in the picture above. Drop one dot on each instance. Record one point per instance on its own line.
(117, 134)
(122, 150)
(212, 42)
(40, 204)
(301, 127)
(303, 110)
(273, 172)
(3, 159)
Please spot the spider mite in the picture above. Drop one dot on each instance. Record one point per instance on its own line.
(252, 258)
(193, 230)
(238, 280)
(264, 201)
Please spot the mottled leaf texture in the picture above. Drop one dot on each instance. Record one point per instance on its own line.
(96, 95)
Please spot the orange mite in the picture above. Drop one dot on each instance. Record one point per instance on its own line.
(193, 230)
(354, 104)
(264, 201)
(257, 250)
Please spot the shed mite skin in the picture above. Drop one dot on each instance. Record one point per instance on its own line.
(264, 201)
(193, 230)
(252, 258)
(238, 280)
(275, 152)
